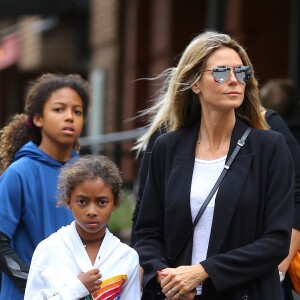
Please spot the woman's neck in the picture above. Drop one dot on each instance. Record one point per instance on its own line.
(214, 137)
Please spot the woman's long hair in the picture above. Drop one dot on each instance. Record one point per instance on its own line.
(177, 106)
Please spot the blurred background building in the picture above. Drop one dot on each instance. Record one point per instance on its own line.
(114, 42)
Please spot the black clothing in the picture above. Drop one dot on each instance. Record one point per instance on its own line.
(276, 123)
(11, 263)
(143, 172)
(241, 260)
(293, 122)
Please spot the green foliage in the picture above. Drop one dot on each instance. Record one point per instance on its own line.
(120, 223)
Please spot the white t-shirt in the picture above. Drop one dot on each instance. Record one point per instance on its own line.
(205, 175)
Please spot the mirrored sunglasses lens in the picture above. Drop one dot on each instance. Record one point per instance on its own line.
(221, 74)
(243, 74)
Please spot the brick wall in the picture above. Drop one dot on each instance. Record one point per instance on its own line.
(105, 53)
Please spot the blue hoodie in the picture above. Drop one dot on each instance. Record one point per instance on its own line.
(28, 212)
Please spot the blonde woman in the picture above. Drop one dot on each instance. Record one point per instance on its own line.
(206, 104)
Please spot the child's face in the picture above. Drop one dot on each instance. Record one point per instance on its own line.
(62, 119)
(91, 203)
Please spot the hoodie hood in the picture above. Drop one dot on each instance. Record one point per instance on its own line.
(71, 239)
(31, 150)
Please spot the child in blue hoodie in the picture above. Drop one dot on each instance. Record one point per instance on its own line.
(33, 148)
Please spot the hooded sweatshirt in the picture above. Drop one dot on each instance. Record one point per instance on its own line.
(58, 260)
(28, 212)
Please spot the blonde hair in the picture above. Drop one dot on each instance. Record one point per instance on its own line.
(177, 106)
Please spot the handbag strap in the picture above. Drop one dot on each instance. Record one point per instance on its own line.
(237, 148)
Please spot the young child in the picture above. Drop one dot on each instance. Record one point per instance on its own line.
(84, 260)
(33, 147)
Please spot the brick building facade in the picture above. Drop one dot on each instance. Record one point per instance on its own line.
(124, 40)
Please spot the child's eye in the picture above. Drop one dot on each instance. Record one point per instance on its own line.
(78, 112)
(81, 201)
(102, 202)
(58, 109)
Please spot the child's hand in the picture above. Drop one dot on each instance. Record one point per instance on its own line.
(91, 280)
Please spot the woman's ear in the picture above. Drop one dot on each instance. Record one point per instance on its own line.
(196, 88)
(37, 120)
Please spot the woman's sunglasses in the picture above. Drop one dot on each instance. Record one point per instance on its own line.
(221, 74)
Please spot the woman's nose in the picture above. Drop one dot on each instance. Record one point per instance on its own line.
(232, 76)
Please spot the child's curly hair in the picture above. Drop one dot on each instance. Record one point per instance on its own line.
(20, 128)
(89, 167)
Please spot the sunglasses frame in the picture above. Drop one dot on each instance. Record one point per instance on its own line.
(236, 70)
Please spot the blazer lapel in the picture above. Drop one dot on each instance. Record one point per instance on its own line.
(229, 191)
(178, 212)
(226, 201)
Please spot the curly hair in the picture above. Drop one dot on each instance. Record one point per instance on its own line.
(88, 167)
(21, 129)
(11, 137)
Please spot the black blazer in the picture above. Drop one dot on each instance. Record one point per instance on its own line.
(252, 219)
(278, 124)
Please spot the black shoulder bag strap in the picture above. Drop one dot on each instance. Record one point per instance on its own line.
(239, 145)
